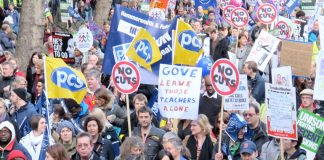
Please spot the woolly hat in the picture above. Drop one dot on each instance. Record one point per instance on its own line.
(65, 124)
(16, 154)
(21, 93)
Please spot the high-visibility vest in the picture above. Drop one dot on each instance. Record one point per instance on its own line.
(5, 3)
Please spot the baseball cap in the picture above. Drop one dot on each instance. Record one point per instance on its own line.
(307, 92)
(248, 147)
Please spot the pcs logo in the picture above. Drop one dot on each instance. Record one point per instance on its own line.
(143, 49)
(64, 77)
(190, 41)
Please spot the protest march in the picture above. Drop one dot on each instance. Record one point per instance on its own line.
(161, 80)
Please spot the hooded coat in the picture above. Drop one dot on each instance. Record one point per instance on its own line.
(13, 144)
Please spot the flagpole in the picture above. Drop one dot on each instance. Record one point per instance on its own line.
(128, 117)
(45, 88)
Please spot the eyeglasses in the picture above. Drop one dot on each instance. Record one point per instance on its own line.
(248, 114)
(225, 122)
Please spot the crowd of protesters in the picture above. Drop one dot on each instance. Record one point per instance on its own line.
(97, 128)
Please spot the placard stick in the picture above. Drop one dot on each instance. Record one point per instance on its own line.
(281, 149)
(237, 34)
(128, 117)
(220, 127)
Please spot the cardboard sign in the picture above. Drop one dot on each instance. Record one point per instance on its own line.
(178, 96)
(239, 17)
(281, 111)
(224, 77)
(266, 13)
(297, 55)
(240, 99)
(84, 39)
(311, 125)
(126, 77)
(64, 46)
(319, 79)
(282, 76)
(227, 13)
(263, 49)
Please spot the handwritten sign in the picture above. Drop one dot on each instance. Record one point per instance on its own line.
(178, 96)
(239, 100)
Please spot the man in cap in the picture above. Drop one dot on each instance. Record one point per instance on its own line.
(248, 150)
(8, 141)
(306, 96)
(21, 110)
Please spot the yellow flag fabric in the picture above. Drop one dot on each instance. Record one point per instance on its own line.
(144, 50)
(188, 46)
(62, 81)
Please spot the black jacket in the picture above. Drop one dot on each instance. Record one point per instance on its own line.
(206, 148)
(94, 156)
(104, 148)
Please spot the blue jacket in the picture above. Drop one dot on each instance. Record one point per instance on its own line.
(22, 117)
(16, 18)
(6, 44)
(258, 88)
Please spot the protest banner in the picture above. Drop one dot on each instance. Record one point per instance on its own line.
(224, 77)
(298, 56)
(63, 44)
(234, 125)
(126, 78)
(225, 80)
(64, 5)
(266, 13)
(227, 13)
(312, 127)
(281, 111)
(232, 57)
(187, 44)
(263, 49)
(299, 30)
(159, 4)
(225, 3)
(239, 17)
(290, 6)
(319, 79)
(178, 96)
(321, 30)
(96, 31)
(61, 78)
(283, 30)
(308, 6)
(157, 13)
(205, 4)
(239, 100)
(84, 40)
(124, 27)
(144, 50)
(282, 76)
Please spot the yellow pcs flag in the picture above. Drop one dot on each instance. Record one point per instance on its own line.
(144, 50)
(187, 46)
(62, 81)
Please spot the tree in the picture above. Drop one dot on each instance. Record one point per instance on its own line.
(31, 31)
(102, 11)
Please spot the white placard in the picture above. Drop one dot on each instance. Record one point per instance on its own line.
(179, 94)
(282, 76)
(239, 100)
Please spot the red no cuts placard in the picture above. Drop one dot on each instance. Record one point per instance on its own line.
(126, 77)
(239, 17)
(267, 13)
(224, 77)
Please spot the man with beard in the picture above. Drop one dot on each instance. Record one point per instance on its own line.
(210, 102)
(151, 135)
(8, 141)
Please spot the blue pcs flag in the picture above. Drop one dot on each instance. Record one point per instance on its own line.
(205, 3)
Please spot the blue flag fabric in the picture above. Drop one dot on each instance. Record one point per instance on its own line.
(43, 105)
(290, 5)
(205, 3)
(235, 124)
(124, 27)
(74, 14)
(153, 104)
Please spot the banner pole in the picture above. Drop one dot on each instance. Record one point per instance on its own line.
(128, 117)
(281, 149)
(220, 127)
(238, 30)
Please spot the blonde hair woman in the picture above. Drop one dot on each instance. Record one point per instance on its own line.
(199, 142)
